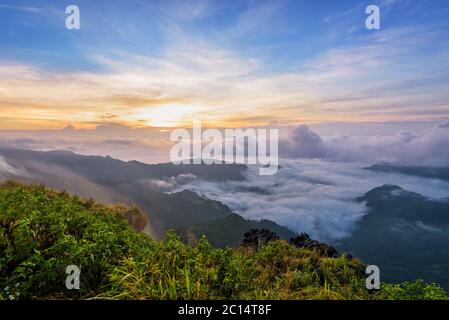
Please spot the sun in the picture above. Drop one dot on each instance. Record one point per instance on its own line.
(167, 115)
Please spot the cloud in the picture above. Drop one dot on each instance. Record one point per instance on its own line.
(169, 184)
(444, 124)
(313, 196)
(192, 10)
(375, 144)
(427, 148)
(21, 8)
(106, 139)
(303, 143)
(259, 17)
(8, 170)
(194, 77)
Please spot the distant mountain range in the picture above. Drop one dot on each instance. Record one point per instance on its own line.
(441, 173)
(110, 180)
(100, 168)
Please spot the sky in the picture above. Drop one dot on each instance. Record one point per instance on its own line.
(236, 63)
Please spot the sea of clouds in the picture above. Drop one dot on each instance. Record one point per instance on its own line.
(313, 196)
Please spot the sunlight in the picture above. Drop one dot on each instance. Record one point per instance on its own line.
(167, 115)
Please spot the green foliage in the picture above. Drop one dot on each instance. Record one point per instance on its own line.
(43, 231)
(417, 290)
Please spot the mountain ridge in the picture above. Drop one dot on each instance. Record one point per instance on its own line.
(404, 233)
(441, 173)
(116, 181)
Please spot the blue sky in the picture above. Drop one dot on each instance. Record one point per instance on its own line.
(287, 61)
(275, 30)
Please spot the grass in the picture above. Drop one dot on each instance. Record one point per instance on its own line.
(42, 231)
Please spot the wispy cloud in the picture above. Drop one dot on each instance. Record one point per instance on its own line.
(21, 8)
(380, 76)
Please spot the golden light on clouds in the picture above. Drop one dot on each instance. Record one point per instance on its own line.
(217, 86)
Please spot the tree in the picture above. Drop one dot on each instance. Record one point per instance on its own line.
(256, 238)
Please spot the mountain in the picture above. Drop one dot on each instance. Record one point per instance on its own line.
(149, 186)
(405, 234)
(98, 168)
(441, 173)
(43, 231)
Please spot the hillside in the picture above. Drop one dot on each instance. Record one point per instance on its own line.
(149, 186)
(43, 231)
(405, 234)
